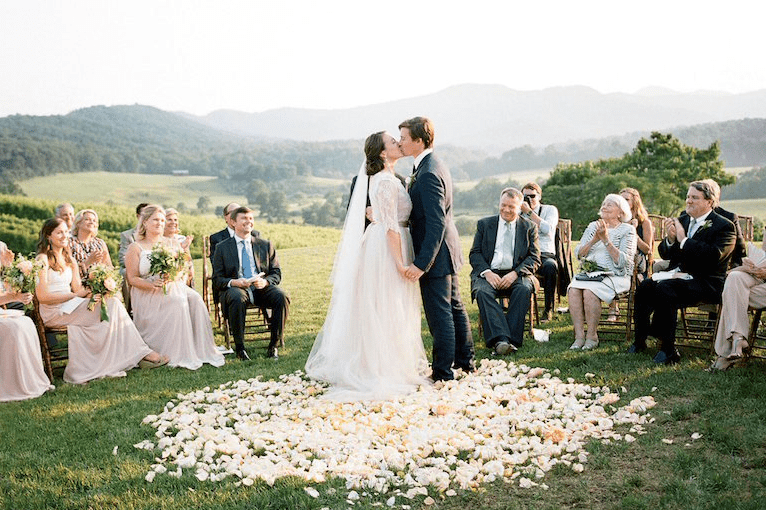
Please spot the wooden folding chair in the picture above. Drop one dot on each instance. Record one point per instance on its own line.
(207, 284)
(746, 226)
(533, 316)
(257, 321)
(621, 328)
(57, 353)
(697, 326)
(756, 339)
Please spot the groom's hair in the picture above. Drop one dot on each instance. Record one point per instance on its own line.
(421, 128)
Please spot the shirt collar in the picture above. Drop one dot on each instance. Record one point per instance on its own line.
(422, 155)
(702, 218)
(231, 231)
(239, 239)
(501, 221)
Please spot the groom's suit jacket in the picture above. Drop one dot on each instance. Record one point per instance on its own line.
(526, 252)
(226, 262)
(434, 235)
(706, 255)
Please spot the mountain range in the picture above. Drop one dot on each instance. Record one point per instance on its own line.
(496, 118)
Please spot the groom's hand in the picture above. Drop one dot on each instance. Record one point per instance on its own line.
(413, 273)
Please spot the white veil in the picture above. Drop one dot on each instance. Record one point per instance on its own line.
(347, 256)
(344, 279)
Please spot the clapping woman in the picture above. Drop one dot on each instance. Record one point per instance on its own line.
(96, 348)
(610, 243)
(171, 317)
(173, 231)
(87, 249)
(21, 363)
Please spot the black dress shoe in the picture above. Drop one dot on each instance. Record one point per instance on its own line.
(273, 353)
(663, 358)
(242, 354)
(470, 368)
(636, 348)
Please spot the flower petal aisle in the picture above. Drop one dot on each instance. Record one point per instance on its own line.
(504, 421)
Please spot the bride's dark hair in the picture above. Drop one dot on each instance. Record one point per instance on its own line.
(373, 146)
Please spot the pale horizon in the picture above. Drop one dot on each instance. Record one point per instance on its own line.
(196, 57)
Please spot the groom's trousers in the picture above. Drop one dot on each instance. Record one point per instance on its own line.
(449, 325)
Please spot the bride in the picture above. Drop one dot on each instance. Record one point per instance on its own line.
(370, 347)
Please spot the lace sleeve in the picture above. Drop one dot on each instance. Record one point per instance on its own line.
(386, 197)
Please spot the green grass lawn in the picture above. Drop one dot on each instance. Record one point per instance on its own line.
(57, 451)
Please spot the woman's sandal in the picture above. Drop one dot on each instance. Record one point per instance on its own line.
(590, 344)
(146, 364)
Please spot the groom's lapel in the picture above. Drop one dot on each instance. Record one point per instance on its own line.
(520, 244)
(256, 255)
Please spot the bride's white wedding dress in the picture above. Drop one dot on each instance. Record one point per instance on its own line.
(370, 346)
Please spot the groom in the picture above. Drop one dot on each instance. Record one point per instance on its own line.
(437, 251)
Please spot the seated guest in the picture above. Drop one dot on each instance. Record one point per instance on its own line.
(644, 239)
(246, 270)
(546, 217)
(227, 231)
(170, 316)
(699, 246)
(644, 230)
(504, 257)
(222, 235)
(66, 213)
(745, 286)
(87, 249)
(21, 364)
(740, 248)
(127, 237)
(96, 348)
(610, 243)
(173, 231)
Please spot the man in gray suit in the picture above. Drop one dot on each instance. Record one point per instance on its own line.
(504, 257)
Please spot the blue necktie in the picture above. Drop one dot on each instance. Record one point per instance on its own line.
(247, 271)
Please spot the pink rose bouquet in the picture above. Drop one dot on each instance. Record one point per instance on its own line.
(104, 282)
(22, 275)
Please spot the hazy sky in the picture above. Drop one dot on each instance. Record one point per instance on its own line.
(255, 55)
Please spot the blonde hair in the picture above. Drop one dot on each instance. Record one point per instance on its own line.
(79, 217)
(638, 209)
(146, 213)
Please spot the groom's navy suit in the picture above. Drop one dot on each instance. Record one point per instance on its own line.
(526, 260)
(438, 254)
(226, 267)
(705, 256)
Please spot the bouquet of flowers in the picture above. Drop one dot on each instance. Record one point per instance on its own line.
(590, 266)
(166, 263)
(103, 281)
(22, 275)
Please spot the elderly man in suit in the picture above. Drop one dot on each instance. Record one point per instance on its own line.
(699, 247)
(504, 257)
(246, 271)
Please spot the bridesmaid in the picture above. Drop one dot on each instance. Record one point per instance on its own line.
(21, 363)
(171, 317)
(96, 349)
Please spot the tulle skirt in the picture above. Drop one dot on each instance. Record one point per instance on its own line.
(370, 346)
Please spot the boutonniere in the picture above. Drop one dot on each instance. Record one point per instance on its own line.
(411, 180)
(705, 225)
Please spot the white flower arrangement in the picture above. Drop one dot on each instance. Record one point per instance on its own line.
(505, 421)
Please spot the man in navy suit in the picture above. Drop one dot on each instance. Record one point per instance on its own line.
(246, 270)
(700, 253)
(504, 257)
(438, 256)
